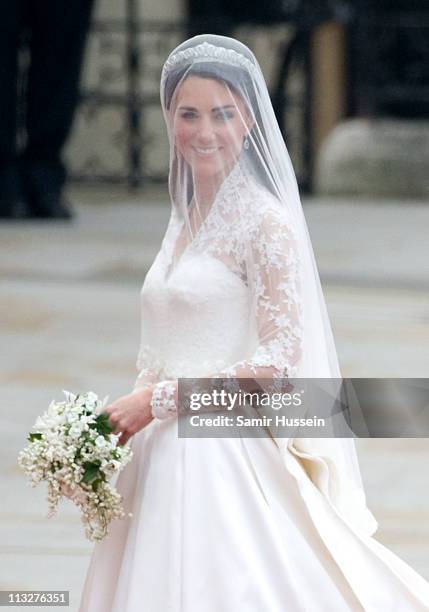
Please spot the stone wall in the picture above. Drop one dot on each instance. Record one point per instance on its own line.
(98, 143)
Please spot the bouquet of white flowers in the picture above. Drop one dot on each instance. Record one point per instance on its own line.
(74, 449)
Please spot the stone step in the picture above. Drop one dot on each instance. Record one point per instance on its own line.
(375, 157)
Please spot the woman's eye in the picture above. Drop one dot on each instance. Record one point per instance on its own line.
(224, 115)
(188, 115)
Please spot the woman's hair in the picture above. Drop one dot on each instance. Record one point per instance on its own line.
(234, 77)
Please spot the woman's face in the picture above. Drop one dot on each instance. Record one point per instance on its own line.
(210, 123)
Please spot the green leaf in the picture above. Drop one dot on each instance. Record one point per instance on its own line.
(95, 485)
(91, 471)
(34, 436)
(103, 425)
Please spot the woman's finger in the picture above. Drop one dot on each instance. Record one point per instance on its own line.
(114, 423)
(124, 437)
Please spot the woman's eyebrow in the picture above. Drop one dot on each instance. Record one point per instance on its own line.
(215, 108)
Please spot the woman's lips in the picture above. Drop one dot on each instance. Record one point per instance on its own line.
(205, 151)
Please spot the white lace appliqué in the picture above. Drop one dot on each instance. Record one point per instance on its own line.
(249, 230)
(163, 402)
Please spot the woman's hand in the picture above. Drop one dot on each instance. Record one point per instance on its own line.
(130, 413)
(77, 495)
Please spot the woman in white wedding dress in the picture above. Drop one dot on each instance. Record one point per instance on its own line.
(237, 524)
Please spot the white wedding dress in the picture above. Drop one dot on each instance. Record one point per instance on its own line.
(227, 524)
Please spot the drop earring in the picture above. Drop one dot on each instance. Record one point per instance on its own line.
(246, 143)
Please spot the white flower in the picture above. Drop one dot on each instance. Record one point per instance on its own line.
(85, 419)
(100, 441)
(91, 398)
(72, 416)
(75, 430)
(70, 397)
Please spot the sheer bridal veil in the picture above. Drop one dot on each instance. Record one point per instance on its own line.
(234, 195)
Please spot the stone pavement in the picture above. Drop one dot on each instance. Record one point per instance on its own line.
(69, 320)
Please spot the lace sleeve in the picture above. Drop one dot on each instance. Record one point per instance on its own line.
(273, 271)
(165, 399)
(148, 369)
(273, 276)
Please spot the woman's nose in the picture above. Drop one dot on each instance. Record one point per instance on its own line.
(206, 132)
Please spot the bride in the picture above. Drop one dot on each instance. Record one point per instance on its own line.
(237, 524)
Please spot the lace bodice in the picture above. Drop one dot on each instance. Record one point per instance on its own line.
(231, 304)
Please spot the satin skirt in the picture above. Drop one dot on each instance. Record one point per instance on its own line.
(220, 524)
